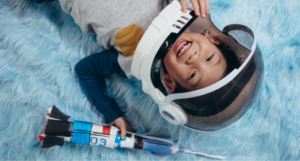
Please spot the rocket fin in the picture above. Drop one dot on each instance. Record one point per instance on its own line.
(50, 141)
(57, 114)
(49, 109)
(41, 137)
(59, 128)
(47, 117)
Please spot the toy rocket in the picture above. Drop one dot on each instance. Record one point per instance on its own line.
(60, 128)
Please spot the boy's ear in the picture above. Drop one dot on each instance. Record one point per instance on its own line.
(169, 82)
(211, 39)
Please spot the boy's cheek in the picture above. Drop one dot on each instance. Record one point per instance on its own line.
(169, 59)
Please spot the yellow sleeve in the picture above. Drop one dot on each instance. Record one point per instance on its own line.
(128, 38)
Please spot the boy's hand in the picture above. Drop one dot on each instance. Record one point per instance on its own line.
(202, 5)
(122, 125)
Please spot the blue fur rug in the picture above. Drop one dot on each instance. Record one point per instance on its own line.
(40, 44)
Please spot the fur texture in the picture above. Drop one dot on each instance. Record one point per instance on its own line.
(40, 45)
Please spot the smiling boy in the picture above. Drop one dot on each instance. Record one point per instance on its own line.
(119, 26)
(194, 62)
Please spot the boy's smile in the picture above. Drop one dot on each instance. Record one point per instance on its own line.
(194, 62)
(182, 46)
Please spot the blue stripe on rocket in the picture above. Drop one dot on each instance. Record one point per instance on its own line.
(157, 146)
(118, 140)
(81, 132)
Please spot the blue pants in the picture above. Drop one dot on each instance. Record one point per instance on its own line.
(91, 72)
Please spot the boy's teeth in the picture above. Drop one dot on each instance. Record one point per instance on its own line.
(187, 45)
(183, 43)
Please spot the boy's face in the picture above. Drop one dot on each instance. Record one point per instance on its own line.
(194, 62)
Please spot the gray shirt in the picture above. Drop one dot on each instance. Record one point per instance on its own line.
(118, 24)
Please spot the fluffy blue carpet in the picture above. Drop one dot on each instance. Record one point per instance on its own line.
(40, 44)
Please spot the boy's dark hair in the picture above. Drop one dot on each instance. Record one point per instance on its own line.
(231, 59)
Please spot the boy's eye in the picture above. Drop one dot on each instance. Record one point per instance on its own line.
(193, 75)
(208, 59)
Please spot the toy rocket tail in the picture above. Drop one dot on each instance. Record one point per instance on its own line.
(57, 114)
(57, 129)
(50, 141)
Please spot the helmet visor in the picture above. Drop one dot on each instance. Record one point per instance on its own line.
(221, 103)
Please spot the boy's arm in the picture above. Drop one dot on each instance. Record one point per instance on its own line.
(91, 72)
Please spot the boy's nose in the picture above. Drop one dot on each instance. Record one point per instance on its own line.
(191, 58)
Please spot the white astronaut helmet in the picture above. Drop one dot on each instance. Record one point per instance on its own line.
(213, 107)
